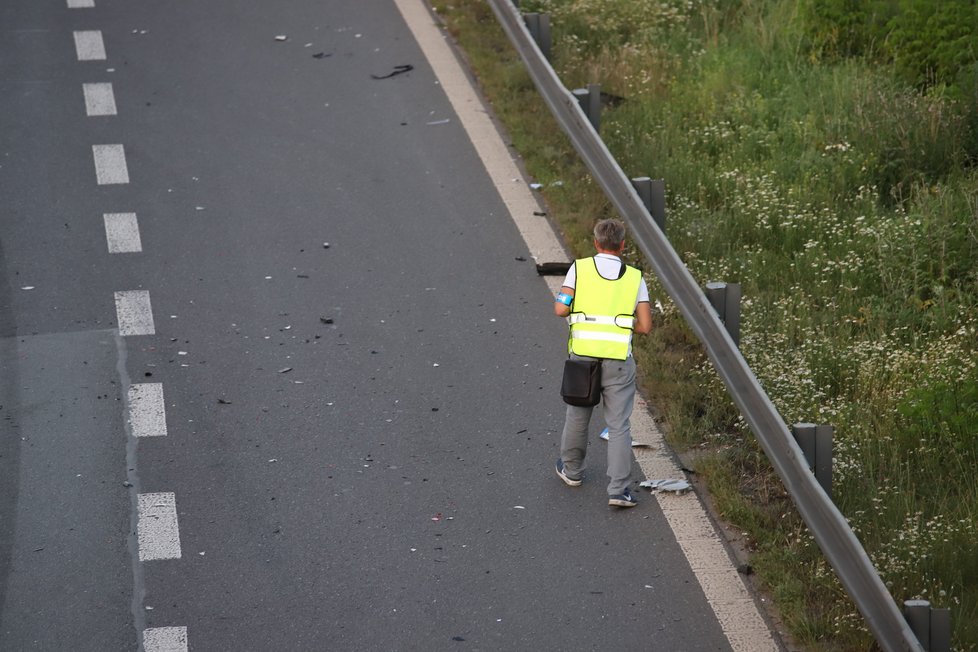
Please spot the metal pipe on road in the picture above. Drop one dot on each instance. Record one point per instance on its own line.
(829, 527)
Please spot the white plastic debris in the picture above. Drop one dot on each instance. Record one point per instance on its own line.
(635, 444)
(281, 37)
(668, 484)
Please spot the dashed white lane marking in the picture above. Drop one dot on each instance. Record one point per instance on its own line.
(89, 45)
(80, 4)
(165, 639)
(110, 164)
(157, 530)
(147, 410)
(730, 600)
(99, 99)
(122, 233)
(134, 313)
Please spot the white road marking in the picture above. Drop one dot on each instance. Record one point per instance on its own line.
(89, 45)
(99, 99)
(80, 4)
(729, 598)
(134, 313)
(122, 233)
(472, 113)
(157, 530)
(147, 411)
(110, 164)
(165, 639)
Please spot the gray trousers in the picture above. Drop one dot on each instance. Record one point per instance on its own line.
(617, 399)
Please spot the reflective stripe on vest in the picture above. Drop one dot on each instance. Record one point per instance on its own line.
(603, 318)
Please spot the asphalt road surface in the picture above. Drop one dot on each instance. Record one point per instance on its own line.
(225, 433)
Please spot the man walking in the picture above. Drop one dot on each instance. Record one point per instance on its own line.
(606, 301)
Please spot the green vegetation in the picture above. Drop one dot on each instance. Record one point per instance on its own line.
(822, 154)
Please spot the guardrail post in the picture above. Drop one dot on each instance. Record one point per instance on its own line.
(539, 27)
(940, 630)
(917, 613)
(590, 100)
(932, 627)
(652, 192)
(815, 442)
(725, 299)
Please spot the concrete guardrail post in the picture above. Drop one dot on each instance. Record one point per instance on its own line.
(931, 626)
(725, 299)
(940, 630)
(815, 442)
(590, 100)
(539, 26)
(653, 194)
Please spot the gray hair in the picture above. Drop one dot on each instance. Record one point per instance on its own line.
(609, 233)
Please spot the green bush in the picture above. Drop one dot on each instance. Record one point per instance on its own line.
(931, 43)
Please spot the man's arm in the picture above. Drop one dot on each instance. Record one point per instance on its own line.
(643, 318)
(561, 309)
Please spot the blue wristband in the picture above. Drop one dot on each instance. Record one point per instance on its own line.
(565, 299)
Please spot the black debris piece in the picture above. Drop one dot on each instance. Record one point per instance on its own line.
(521, 259)
(398, 70)
(322, 55)
(326, 320)
(553, 269)
(222, 401)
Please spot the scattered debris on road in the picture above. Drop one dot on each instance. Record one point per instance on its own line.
(670, 484)
(398, 70)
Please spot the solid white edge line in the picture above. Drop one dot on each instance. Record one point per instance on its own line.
(731, 601)
(110, 164)
(89, 45)
(134, 313)
(147, 410)
(499, 162)
(158, 531)
(122, 233)
(99, 99)
(165, 639)
(735, 609)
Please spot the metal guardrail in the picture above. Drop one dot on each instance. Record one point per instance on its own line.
(827, 524)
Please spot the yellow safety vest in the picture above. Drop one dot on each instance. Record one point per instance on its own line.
(603, 312)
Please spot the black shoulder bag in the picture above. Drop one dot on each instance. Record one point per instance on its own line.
(581, 385)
